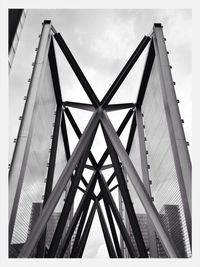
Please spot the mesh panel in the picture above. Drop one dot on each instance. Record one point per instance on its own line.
(165, 188)
(37, 162)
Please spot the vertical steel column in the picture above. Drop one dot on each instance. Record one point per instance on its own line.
(59, 187)
(108, 240)
(176, 132)
(127, 199)
(50, 175)
(146, 181)
(109, 198)
(139, 187)
(20, 155)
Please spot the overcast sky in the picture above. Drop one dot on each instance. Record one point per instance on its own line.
(102, 41)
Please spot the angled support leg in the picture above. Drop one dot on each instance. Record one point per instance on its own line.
(69, 200)
(59, 188)
(139, 187)
(127, 199)
(110, 200)
(108, 240)
(86, 231)
(112, 228)
(79, 231)
(67, 238)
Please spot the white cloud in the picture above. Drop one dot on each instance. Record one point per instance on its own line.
(118, 38)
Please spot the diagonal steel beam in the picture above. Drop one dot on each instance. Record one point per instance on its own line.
(105, 154)
(139, 187)
(65, 137)
(59, 187)
(131, 134)
(79, 134)
(112, 228)
(127, 199)
(79, 210)
(80, 229)
(70, 199)
(122, 228)
(77, 70)
(108, 240)
(86, 231)
(124, 72)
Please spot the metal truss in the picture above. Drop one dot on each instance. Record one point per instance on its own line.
(76, 163)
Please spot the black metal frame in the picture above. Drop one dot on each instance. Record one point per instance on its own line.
(61, 240)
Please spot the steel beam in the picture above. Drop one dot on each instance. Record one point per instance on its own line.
(65, 137)
(59, 187)
(127, 199)
(124, 72)
(77, 70)
(112, 228)
(139, 188)
(70, 199)
(145, 177)
(86, 231)
(83, 106)
(79, 134)
(108, 240)
(88, 194)
(80, 229)
(174, 123)
(50, 175)
(114, 107)
(122, 228)
(21, 151)
(131, 134)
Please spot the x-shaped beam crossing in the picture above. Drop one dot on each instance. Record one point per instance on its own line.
(77, 162)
